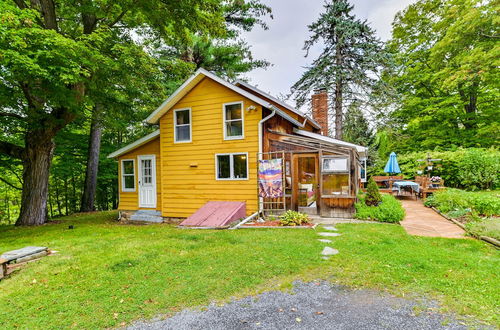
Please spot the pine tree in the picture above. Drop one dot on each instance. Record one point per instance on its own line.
(373, 197)
(356, 128)
(350, 62)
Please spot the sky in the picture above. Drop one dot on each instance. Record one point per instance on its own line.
(282, 43)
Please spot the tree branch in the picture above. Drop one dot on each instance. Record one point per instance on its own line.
(11, 150)
(10, 184)
(48, 10)
(10, 114)
(117, 19)
(20, 4)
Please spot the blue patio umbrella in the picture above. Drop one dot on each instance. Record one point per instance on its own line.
(392, 165)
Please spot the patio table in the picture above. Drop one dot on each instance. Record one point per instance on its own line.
(403, 185)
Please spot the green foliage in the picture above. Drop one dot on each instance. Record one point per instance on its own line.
(466, 168)
(446, 76)
(487, 226)
(389, 210)
(356, 127)
(373, 197)
(293, 218)
(459, 201)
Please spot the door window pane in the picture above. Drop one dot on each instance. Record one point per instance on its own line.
(307, 181)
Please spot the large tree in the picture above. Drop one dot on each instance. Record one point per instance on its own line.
(177, 58)
(349, 63)
(50, 52)
(447, 78)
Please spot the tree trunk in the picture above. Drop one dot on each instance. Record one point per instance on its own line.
(338, 94)
(36, 165)
(90, 186)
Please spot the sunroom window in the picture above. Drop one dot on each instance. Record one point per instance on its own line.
(233, 121)
(232, 166)
(182, 125)
(128, 175)
(335, 176)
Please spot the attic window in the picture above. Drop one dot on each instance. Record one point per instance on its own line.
(233, 121)
(182, 125)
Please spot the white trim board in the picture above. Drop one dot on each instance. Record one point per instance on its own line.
(134, 144)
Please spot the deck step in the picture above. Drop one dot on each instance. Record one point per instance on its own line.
(216, 214)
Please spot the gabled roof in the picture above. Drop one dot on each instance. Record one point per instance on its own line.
(362, 151)
(202, 73)
(135, 144)
(190, 84)
(278, 101)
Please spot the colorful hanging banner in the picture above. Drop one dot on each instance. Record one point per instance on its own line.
(271, 178)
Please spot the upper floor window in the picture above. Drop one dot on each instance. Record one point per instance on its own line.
(128, 175)
(182, 125)
(233, 121)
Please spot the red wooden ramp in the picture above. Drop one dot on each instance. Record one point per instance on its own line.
(216, 214)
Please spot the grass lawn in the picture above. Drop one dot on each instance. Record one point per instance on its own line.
(106, 274)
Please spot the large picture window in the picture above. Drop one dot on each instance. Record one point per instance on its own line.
(231, 166)
(233, 121)
(182, 125)
(128, 175)
(335, 176)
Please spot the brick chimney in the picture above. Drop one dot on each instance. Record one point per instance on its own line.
(319, 102)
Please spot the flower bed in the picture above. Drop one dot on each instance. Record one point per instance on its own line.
(275, 223)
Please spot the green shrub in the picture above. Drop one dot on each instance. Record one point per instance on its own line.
(459, 201)
(485, 227)
(373, 197)
(293, 218)
(389, 210)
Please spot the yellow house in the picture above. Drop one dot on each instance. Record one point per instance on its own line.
(210, 139)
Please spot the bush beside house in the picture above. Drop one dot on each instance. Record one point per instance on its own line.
(389, 210)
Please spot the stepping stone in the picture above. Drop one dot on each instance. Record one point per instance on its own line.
(325, 257)
(330, 228)
(324, 240)
(328, 251)
(329, 234)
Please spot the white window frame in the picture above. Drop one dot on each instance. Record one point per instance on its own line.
(190, 126)
(239, 137)
(231, 166)
(347, 170)
(124, 189)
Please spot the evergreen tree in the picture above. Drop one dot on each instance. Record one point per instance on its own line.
(356, 127)
(349, 64)
(373, 197)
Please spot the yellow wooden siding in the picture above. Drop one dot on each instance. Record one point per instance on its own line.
(187, 188)
(130, 200)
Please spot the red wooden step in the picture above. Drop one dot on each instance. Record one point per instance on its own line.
(216, 214)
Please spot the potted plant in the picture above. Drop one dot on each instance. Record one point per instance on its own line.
(435, 181)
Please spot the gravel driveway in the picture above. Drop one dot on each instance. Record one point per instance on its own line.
(316, 305)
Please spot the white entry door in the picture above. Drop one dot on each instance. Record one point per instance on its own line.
(147, 181)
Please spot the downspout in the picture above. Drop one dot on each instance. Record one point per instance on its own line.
(261, 123)
(261, 137)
